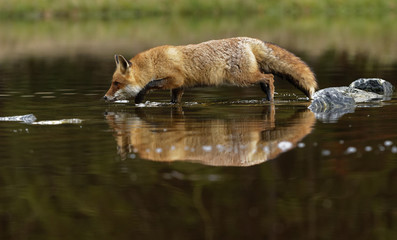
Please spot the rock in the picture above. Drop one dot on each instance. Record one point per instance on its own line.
(328, 98)
(361, 96)
(31, 119)
(58, 122)
(28, 118)
(375, 85)
(330, 104)
(338, 97)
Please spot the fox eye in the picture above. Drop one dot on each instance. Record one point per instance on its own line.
(116, 83)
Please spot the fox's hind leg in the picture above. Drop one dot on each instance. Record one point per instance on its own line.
(266, 80)
(268, 89)
(176, 95)
(267, 85)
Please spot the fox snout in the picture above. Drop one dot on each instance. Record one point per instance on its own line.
(124, 93)
(107, 99)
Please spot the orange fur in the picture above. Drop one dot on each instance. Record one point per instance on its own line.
(237, 61)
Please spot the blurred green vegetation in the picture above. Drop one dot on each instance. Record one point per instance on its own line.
(128, 8)
(312, 36)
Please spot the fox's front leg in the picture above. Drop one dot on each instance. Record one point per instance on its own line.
(139, 97)
(154, 84)
(172, 82)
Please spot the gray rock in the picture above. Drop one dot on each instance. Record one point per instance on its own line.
(361, 96)
(330, 104)
(28, 118)
(329, 98)
(375, 85)
(337, 97)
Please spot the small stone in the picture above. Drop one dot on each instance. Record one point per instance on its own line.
(285, 145)
(325, 152)
(368, 148)
(394, 149)
(350, 150)
(388, 143)
(207, 148)
(159, 150)
(301, 145)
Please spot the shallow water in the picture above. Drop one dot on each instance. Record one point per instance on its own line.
(223, 164)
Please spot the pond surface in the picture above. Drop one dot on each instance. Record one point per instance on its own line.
(222, 165)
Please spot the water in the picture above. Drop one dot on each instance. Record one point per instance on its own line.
(223, 165)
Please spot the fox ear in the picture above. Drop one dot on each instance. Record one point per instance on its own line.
(116, 59)
(123, 63)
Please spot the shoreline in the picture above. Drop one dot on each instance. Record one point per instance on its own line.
(125, 9)
(307, 36)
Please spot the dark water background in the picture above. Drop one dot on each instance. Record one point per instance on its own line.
(221, 166)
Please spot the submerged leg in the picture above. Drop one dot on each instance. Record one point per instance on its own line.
(176, 95)
(139, 97)
(172, 82)
(155, 84)
(266, 89)
(267, 86)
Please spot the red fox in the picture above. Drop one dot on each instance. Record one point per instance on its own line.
(238, 61)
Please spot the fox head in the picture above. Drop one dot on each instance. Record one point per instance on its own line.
(123, 84)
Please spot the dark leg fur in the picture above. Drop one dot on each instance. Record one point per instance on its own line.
(155, 84)
(140, 96)
(176, 95)
(268, 87)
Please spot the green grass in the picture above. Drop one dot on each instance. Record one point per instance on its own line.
(372, 38)
(134, 8)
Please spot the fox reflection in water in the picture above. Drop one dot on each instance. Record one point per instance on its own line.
(242, 138)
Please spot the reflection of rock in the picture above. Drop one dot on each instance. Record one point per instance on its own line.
(330, 104)
(240, 139)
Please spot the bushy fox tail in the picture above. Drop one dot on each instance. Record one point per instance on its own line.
(280, 62)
